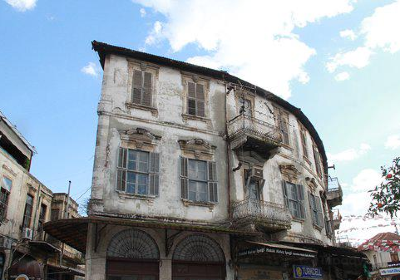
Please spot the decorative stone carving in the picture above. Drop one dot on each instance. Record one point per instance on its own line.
(199, 148)
(312, 184)
(139, 137)
(289, 172)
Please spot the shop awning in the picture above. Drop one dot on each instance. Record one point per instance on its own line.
(73, 232)
(259, 248)
(28, 266)
(56, 269)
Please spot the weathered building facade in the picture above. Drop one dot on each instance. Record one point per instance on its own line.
(201, 175)
(25, 205)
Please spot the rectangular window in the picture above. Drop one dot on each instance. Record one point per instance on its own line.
(303, 134)
(42, 217)
(138, 172)
(55, 214)
(316, 210)
(317, 162)
(6, 186)
(28, 212)
(245, 107)
(282, 122)
(142, 88)
(294, 199)
(196, 99)
(198, 180)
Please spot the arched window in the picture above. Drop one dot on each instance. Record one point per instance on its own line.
(133, 244)
(198, 248)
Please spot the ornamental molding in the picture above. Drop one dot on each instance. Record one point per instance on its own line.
(289, 172)
(140, 137)
(197, 147)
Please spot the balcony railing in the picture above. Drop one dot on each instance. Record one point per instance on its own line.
(335, 193)
(268, 215)
(253, 133)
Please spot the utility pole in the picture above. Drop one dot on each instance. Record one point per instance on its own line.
(64, 216)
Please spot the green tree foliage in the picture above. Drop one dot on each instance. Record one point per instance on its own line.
(386, 197)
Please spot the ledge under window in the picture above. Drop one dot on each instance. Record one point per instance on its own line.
(317, 227)
(136, 196)
(196, 118)
(131, 105)
(188, 202)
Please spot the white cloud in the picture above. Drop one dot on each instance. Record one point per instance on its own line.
(349, 34)
(382, 28)
(342, 76)
(349, 154)
(22, 5)
(252, 39)
(91, 69)
(357, 58)
(393, 142)
(379, 31)
(142, 12)
(155, 34)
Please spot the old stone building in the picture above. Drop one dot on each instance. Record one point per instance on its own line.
(25, 205)
(201, 175)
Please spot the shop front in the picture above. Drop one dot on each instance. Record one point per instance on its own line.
(256, 260)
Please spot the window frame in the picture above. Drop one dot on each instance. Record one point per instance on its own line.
(317, 161)
(4, 197)
(142, 88)
(198, 181)
(27, 218)
(151, 173)
(196, 99)
(282, 121)
(303, 139)
(297, 212)
(317, 213)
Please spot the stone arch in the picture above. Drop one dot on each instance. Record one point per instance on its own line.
(198, 248)
(133, 244)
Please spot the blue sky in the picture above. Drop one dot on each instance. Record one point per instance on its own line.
(336, 60)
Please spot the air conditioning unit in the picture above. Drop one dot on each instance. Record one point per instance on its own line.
(257, 173)
(27, 233)
(5, 242)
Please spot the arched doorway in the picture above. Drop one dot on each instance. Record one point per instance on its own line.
(198, 257)
(132, 255)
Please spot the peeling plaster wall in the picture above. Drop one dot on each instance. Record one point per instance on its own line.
(169, 122)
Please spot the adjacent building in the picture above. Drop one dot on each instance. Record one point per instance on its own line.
(383, 251)
(199, 174)
(25, 205)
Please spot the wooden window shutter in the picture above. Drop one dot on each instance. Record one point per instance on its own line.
(147, 89)
(122, 157)
(300, 196)
(312, 207)
(191, 90)
(154, 173)
(137, 87)
(212, 182)
(121, 173)
(184, 178)
(200, 100)
(284, 124)
(285, 196)
(320, 215)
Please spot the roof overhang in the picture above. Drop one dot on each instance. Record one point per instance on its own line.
(104, 49)
(73, 232)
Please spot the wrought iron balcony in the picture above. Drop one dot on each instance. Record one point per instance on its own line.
(335, 193)
(269, 216)
(251, 134)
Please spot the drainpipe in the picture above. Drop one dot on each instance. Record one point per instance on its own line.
(228, 149)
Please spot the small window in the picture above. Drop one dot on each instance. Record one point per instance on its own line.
(316, 210)
(282, 122)
(245, 107)
(138, 172)
(4, 194)
(303, 134)
(198, 180)
(196, 99)
(28, 212)
(317, 162)
(42, 217)
(294, 199)
(142, 88)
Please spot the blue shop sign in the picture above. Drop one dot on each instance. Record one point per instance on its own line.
(306, 272)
